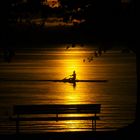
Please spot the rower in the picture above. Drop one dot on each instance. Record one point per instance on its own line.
(73, 76)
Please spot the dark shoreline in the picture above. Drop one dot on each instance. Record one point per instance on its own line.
(33, 36)
(123, 134)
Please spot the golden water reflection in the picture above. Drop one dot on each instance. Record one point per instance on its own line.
(104, 67)
(73, 95)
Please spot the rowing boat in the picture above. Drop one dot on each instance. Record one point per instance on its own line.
(73, 81)
(43, 80)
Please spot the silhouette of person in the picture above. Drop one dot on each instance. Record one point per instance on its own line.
(73, 79)
(74, 75)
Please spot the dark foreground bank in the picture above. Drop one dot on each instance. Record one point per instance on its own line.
(130, 132)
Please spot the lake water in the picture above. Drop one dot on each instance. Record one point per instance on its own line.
(30, 66)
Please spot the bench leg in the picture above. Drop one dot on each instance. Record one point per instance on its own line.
(95, 125)
(92, 124)
(17, 124)
(17, 127)
(94, 128)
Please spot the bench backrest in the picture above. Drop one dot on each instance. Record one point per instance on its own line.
(57, 109)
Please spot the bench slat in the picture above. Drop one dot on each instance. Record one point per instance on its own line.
(55, 119)
(57, 109)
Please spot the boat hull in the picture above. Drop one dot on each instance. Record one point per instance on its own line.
(63, 80)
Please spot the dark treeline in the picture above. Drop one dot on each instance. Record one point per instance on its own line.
(105, 18)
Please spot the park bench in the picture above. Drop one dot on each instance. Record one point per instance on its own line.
(54, 112)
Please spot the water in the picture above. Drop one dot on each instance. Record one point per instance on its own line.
(31, 65)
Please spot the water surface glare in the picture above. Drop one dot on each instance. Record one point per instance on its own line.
(24, 85)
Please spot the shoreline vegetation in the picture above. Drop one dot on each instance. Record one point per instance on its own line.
(34, 35)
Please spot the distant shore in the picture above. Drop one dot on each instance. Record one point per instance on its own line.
(23, 34)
